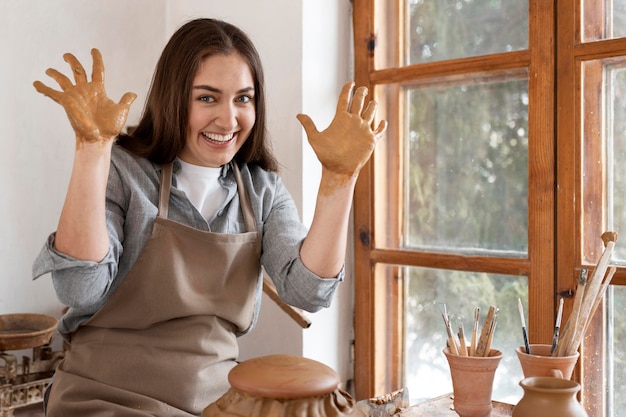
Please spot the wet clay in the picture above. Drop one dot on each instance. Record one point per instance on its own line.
(282, 386)
(348, 142)
(93, 116)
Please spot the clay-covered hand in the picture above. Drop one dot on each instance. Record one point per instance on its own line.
(348, 142)
(94, 117)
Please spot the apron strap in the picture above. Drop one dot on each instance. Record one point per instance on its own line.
(164, 190)
(246, 206)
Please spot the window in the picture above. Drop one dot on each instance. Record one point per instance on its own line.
(498, 174)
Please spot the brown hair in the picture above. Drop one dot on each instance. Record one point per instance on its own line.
(161, 132)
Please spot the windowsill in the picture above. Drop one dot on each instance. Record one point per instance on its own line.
(442, 407)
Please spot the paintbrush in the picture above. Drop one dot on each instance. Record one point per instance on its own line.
(557, 326)
(463, 348)
(474, 331)
(524, 331)
(451, 342)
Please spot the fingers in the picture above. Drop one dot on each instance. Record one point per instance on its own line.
(358, 100)
(77, 68)
(97, 71)
(127, 99)
(307, 124)
(47, 91)
(370, 112)
(61, 79)
(343, 104)
(382, 126)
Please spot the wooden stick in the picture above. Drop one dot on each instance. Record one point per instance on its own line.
(605, 285)
(294, 313)
(591, 293)
(484, 335)
(570, 325)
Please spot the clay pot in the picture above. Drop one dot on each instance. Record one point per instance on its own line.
(540, 363)
(549, 397)
(472, 382)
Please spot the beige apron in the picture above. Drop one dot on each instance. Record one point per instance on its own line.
(165, 341)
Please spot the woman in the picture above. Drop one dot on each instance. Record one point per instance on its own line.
(163, 233)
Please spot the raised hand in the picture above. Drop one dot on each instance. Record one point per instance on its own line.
(93, 116)
(348, 142)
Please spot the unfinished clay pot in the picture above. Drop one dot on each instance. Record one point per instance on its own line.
(549, 397)
(282, 386)
(472, 382)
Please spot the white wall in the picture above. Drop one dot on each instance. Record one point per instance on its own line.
(304, 46)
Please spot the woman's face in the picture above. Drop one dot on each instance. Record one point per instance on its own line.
(222, 111)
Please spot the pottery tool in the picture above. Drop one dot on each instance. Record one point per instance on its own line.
(492, 331)
(472, 351)
(451, 342)
(592, 295)
(557, 326)
(481, 348)
(524, 331)
(566, 334)
(463, 345)
(296, 314)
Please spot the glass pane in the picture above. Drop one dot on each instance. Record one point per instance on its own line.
(466, 168)
(604, 19)
(448, 29)
(616, 355)
(616, 151)
(427, 373)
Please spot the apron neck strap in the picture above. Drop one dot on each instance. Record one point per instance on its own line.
(164, 191)
(246, 206)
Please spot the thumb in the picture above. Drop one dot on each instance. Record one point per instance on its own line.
(128, 98)
(307, 124)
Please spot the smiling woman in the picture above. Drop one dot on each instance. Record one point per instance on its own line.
(143, 259)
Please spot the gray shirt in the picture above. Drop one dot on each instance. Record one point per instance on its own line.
(131, 207)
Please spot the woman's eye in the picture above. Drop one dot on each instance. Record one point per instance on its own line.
(244, 99)
(206, 99)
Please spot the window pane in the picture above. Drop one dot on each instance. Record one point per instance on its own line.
(448, 29)
(616, 355)
(427, 373)
(466, 174)
(616, 151)
(604, 19)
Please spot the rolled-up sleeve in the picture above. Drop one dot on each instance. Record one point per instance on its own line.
(283, 234)
(78, 283)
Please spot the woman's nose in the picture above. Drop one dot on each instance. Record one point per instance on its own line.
(226, 117)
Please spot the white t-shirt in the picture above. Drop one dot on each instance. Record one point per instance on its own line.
(202, 187)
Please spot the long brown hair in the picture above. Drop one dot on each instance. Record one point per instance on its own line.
(161, 132)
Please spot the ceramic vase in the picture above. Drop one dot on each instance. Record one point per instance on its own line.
(472, 382)
(549, 397)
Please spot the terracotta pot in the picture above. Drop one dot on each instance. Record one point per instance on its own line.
(549, 397)
(540, 363)
(472, 382)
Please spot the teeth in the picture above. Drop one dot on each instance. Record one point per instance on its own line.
(214, 137)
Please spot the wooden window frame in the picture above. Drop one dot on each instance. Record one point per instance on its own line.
(378, 343)
(555, 153)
